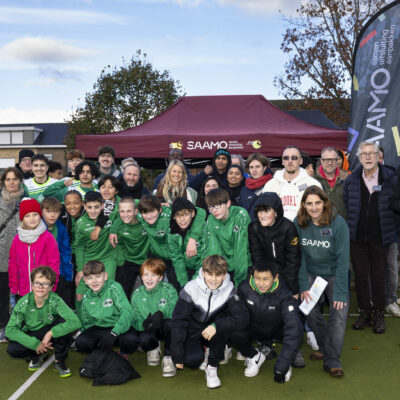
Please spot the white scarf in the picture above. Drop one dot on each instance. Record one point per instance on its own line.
(30, 236)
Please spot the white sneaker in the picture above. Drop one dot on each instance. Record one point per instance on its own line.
(312, 341)
(240, 356)
(398, 301)
(154, 356)
(393, 309)
(168, 367)
(288, 375)
(204, 364)
(227, 355)
(253, 364)
(212, 377)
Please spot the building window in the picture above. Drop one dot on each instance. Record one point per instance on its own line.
(4, 137)
(17, 138)
(6, 162)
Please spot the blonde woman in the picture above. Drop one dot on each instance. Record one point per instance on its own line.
(175, 184)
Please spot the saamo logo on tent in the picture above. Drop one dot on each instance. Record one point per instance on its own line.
(206, 144)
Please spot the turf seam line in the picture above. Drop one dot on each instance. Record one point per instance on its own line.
(18, 393)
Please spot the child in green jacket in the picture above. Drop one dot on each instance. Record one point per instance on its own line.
(153, 305)
(183, 217)
(226, 234)
(40, 321)
(106, 313)
(133, 241)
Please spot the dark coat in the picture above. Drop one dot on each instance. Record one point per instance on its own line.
(276, 315)
(352, 202)
(278, 242)
(136, 192)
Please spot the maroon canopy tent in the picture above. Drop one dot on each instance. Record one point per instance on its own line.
(199, 125)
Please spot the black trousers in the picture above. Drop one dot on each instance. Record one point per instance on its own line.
(148, 340)
(89, 339)
(243, 340)
(4, 300)
(369, 263)
(194, 349)
(60, 344)
(126, 275)
(65, 290)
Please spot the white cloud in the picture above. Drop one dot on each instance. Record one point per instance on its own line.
(40, 49)
(56, 15)
(12, 115)
(264, 6)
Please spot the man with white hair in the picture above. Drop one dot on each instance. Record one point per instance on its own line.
(366, 194)
(290, 182)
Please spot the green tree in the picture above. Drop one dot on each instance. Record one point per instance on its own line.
(320, 43)
(123, 97)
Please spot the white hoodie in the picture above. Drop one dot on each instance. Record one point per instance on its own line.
(290, 193)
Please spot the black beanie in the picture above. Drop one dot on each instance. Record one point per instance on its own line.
(25, 153)
(180, 203)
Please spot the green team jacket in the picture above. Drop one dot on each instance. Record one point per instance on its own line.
(87, 249)
(133, 240)
(230, 239)
(177, 247)
(108, 308)
(27, 317)
(162, 298)
(158, 232)
(58, 189)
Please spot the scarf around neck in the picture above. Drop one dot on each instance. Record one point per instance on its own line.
(254, 184)
(31, 236)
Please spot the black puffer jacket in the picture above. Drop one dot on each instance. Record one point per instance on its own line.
(278, 242)
(352, 202)
(276, 315)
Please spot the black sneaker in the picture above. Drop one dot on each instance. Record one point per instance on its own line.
(379, 322)
(363, 321)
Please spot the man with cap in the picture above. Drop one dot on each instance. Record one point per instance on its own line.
(25, 163)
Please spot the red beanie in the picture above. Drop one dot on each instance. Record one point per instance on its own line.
(27, 206)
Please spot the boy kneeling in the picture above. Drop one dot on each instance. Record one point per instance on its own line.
(106, 313)
(274, 314)
(207, 309)
(41, 321)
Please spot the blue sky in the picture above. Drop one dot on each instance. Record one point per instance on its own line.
(51, 52)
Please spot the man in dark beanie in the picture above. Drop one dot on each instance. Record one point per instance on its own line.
(25, 163)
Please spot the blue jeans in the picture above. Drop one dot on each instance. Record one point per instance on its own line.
(329, 334)
(392, 274)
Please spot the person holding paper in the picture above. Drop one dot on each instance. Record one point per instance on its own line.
(325, 247)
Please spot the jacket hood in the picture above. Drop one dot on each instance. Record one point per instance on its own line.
(221, 152)
(343, 156)
(302, 174)
(270, 199)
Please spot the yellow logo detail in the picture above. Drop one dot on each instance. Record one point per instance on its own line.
(295, 241)
(176, 145)
(256, 144)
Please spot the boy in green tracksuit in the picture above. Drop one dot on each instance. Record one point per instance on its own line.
(132, 240)
(106, 313)
(87, 249)
(85, 173)
(155, 219)
(153, 305)
(40, 321)
(183, 217)
(226, 233)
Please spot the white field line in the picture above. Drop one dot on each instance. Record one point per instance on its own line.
(31, 379)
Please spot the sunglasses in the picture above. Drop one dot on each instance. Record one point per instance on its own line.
(293, 158)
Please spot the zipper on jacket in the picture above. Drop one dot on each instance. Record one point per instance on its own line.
(273, 250)
(29, 266)
(209, 305)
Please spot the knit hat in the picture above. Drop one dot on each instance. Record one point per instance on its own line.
(180, 203)
(223, 152)
(27, 206)
(25, 153)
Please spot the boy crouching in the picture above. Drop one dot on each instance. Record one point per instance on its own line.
(207, 309)
(40, 322)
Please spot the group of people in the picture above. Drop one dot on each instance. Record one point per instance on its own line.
(206, 263)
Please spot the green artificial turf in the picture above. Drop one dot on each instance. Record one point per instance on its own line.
(370, 363)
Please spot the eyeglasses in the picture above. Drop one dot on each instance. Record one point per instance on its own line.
(41, 284)
(329, 160)
(216, 207)
(370, 154)
(293, 158)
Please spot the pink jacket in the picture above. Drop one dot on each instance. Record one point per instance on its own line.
(25, 257)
